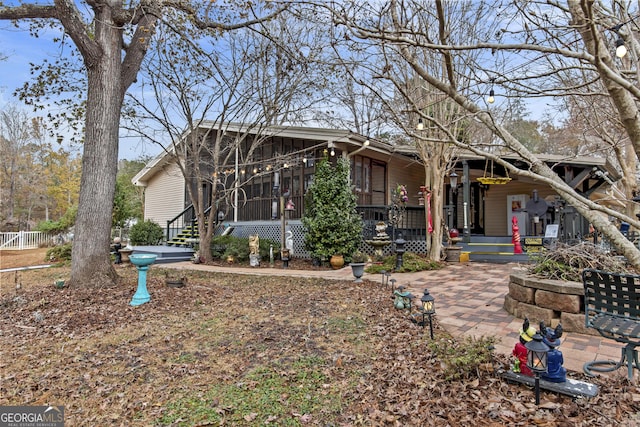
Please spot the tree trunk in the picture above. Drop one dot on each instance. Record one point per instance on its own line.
(91, 263)
(437, 205)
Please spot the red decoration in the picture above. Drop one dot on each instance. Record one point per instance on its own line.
(515, 239)
(454, 232)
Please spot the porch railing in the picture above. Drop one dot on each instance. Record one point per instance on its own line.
(20, 240)
(412, 224)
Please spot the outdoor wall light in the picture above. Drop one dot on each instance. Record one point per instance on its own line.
(420, 125)
(428, 309)
(537, 358)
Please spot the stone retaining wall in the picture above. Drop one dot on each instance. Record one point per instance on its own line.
(553, 301)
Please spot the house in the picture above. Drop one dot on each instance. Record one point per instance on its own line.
(481, 204)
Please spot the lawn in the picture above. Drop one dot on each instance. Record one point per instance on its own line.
(229, 349)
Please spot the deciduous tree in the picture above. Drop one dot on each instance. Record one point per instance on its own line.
(111, 39)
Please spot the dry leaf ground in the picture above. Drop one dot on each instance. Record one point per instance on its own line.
(239, 350)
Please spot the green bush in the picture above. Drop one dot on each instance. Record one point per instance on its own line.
(59, 253)
(60, 226)
(238, 247)
(146, 233)
(332, 225)
(462, 358)
(411, 262)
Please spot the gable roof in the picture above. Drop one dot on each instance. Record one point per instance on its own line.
(346, 140)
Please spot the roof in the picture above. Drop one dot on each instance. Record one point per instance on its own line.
(344, 139)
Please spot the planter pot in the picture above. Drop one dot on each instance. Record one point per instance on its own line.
(357, 268)
(453, 253)
(336, 261)
(125, 253)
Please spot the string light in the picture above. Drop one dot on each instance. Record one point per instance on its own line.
(621, 49)
(492, 94)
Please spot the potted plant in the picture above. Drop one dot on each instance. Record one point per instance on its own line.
(332, 225)
(358, 261)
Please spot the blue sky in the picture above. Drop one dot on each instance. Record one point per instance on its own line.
(21, 48)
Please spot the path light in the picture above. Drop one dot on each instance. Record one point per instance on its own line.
(285, 255)
(385, 277)
(537, 358)
(393, 284)
(428, 309)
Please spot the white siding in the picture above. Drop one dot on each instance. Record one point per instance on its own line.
(496, 221)
(164, 196)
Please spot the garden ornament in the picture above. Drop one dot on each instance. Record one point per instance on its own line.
(520, 351)
(555, 371)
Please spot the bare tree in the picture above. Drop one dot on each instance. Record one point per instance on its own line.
(111, 39)
(521, 45)
(214, 106)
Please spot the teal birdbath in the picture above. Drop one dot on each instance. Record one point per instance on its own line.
(142, 263)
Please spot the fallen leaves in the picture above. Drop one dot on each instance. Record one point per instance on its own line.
(110, 363)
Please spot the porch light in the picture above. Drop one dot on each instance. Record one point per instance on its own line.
(537, 358)
(428, 309)
(333, 152)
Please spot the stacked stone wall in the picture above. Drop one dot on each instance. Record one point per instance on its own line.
(551, 301)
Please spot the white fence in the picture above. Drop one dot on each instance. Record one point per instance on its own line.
(24, 240)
